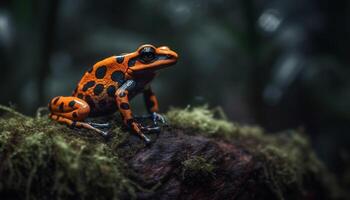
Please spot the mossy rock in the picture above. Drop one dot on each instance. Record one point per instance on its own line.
(196, 156)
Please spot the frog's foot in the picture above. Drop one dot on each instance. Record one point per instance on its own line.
(140, 130)
(77, 124)
(144, 130)
(100, 125)
(156, 117)
(104, 134)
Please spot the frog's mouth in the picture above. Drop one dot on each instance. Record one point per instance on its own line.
(159, 62)
(168, 60)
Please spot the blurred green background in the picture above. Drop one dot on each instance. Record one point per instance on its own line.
(282, 64)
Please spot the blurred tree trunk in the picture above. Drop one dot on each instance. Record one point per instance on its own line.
(28, 67)
(48, 33)
(257, 71)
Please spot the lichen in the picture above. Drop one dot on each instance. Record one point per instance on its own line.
(197, 169)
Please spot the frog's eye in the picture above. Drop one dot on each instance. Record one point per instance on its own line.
(147, 54)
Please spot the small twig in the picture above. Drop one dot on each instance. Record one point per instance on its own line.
(12, 111)
(39, 112)
(220, 112)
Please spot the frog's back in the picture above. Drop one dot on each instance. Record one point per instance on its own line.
(99, 84)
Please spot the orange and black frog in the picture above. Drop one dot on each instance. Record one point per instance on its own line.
(109, 86)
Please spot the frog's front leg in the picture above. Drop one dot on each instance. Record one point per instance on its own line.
(152, 106)
(122, 99)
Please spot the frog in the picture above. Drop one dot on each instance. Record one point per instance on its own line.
(109, 86)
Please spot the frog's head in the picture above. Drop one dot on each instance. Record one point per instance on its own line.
(148, 58)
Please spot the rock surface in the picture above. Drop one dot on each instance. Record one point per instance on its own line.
(163, 162)
(196, 157)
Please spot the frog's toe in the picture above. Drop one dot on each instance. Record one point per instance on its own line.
(147, 140)
(162, 119)
(156, 117)
(100, 125)
(144, 138)
(151, 129)
(106, 134)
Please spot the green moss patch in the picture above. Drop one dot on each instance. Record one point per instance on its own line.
(201, 119)
(197, 170)
(40, 158)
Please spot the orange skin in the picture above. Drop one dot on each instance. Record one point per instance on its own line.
(110, 84)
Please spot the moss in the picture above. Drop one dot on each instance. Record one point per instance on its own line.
(287, 158)
(201, 119)
(39, 157)
(197, 169)
(286, 161)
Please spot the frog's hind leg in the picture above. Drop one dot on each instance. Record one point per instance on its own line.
(77, 124)
(71, 111)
